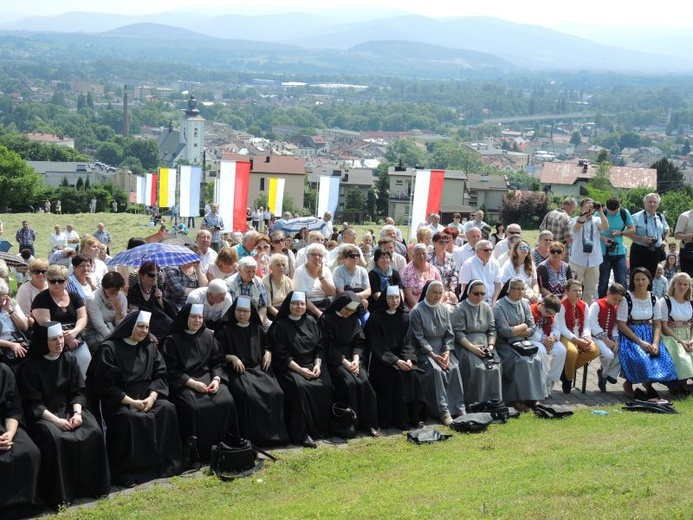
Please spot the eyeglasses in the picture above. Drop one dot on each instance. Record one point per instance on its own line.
(487, 250)
(57, 281)
(524, 248)
(38, 271)
(556, 251)
(353, 255)
(478, 293)
(514, 232)
(443, 242)
(280, 241)
(151, 275)
(316, 255)
(262, 247)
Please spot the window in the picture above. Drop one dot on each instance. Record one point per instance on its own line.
(262, 184)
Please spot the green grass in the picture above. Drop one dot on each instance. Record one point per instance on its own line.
(624, 465)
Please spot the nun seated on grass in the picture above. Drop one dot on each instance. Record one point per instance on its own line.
(127, 376)
(198, 385)
(431, 333)
(249, 368)
(73, 452)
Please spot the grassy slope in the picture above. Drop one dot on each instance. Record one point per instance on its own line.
(625, 465)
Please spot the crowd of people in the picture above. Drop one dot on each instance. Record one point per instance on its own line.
(119, 375)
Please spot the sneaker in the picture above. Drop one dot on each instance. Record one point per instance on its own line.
(446, 419)
(601, 381)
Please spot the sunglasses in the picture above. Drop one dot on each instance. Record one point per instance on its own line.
(488, 250)
(555, 251)
(280, 241)
(478, 293)
(151, 275)
(524, 248)
(38, 271)
(443, 242)
(262, 247)
(353, 255)
(57, 281)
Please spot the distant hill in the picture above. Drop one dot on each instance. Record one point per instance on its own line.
(333, 39)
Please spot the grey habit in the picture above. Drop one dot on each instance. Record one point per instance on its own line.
(476, 323)
(430, 331)
(523, 376)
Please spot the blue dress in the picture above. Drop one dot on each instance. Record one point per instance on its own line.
(638, 365)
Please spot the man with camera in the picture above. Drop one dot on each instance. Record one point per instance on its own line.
(213, 223)
(613, 250)
(586, 254)
(650, 237)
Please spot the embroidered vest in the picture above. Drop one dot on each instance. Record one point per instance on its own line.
(570, 318)
(607, 317)
(544, 322)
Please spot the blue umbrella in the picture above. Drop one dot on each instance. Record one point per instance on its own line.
(295, 224)
(162, 255)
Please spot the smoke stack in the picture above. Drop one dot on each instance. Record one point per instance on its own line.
(126, 112)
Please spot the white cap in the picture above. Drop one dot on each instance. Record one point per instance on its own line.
(197, 309)
(298, 296)
(243, 303)
(54, 331)
(144, 317)
(393, 290)
(352, 306)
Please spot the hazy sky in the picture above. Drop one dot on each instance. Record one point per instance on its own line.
(664, 13)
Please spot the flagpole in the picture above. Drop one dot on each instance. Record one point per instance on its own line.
(411, 199)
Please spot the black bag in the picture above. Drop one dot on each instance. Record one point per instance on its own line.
(423, 436)
(551, 412)
(639, 405)
(686, 252)
(234, 458)
(472, 422)
(497, 408)
(343, 421)
(524, 347)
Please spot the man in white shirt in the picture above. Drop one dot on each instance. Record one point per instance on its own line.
(433, 223)
(604, 328)
(476, 222)
(216, 300)
(207, 254)
(72, 237)
(58, 239)
(328, 226)
(586, 250)
(465, 252)
(503, 246)
(391, 232)
(482, 266)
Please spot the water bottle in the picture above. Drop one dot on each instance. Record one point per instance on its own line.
(600, 412)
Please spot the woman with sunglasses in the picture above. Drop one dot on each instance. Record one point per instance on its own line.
(279, 241)
(13, 324)
(554, 273)
(28, 291)
(349, 276)
(442, 259)
(68, 308)
(521, 265)
(262, 254)
(475, 345)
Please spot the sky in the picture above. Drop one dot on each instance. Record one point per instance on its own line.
(546, 13)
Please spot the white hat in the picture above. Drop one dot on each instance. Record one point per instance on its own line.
(54, 331)
(144, 317)
(243, 303)
(393, 290)
(197, 309)
(298, 296)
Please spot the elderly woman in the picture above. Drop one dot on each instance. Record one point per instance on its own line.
(643, 357)
(349, 276)
(345, 346)
(523, 372)
(416, 274)
(542, 251)
(431, 334)
(180, 281)
(128, 378)
(262, 254)
(278, 240)
(198, 384)
(277, 283)
(424, 235)
(246, 283)
(58, 304)
(91, 247)
(383, 275)
(296, 344)
(224, 266)
(105, 310)
(29, 290)
(392, 371)
(256, 391)
(19, 457)
(443, 260)
(80, 280)
(13, 325)
(521, 265)
(314, 278)
(73, 452)
(651, 232)
(552, 274)
(475, 345)
(677, 328)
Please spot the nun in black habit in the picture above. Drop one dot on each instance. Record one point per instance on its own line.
(344, 349)
(128, 375)
(259, 398)
(297, 348)
(73, 451)
(19, 457)
(393, 371)
(198, 382)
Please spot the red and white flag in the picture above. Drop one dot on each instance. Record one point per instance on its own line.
(231, 193)
(428, 192)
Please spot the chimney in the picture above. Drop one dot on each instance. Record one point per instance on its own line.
(126, 114)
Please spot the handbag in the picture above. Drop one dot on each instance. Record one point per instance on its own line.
(424, 436)
(522, 346)
(235, 457)
(343, 421)
(498, 409)
(472, 422)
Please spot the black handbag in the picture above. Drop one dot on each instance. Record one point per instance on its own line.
(472, 422)
(343, 421)
(497, 408)
(424, 436)
(524, 347)
(234, 458)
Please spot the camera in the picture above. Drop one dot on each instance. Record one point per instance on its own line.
(611, 246)
(487, 353)
(597, 206)
(652, 247)
(587, 246)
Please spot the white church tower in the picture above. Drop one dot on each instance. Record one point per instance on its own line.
(192, 133)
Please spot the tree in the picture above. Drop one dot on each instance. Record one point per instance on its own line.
(382, 188)
(525, 208)
(407, 153)
(79, 185)
(669, 177)
(686, 149)
(354, 200)
(449, 155)
(575, 138)
(18, 181)
(521, 180)
(371, 201)
(110, 153)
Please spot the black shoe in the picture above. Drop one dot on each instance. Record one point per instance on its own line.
(601, 381)
(191, 455)
(308, 442)
(567, 386)
(611, 380)
(374, 432)
(128, 483)
(652, 393)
